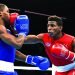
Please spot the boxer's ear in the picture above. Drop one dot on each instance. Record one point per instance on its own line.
(61, 27)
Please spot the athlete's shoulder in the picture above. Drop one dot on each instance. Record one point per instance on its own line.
(68, 35)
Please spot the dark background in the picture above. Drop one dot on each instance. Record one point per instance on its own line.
(63, 8)
(38, 11)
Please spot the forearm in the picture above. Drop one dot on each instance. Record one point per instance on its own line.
(32, 39)
(17, 42)
(20, 40)
(39, 61)
(20, 56)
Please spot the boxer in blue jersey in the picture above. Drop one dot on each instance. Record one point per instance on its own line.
(9, 42)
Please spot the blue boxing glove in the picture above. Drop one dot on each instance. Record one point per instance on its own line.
(21, 25)
(39, 61)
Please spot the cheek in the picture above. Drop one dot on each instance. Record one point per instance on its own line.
(57, 31)
(47, 28)
(6, 14)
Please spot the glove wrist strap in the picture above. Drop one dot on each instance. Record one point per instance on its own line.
(29, 60)
(23, 34)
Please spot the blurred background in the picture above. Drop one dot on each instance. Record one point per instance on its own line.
(38, 11)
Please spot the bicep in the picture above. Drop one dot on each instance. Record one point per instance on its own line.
(6, 37)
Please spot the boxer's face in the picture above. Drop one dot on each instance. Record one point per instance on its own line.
(53, 29)
(5, 13)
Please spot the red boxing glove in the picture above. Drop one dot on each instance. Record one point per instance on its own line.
(13, 17)
(61, 51)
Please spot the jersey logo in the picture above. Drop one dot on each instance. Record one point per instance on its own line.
(48, 44)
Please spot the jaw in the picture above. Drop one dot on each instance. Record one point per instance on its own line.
(55, 36)
(51, 34)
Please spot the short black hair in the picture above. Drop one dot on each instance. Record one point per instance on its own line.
(57, 19)
(2, 6)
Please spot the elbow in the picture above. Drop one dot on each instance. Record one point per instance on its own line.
(18, 43)
(18, 46)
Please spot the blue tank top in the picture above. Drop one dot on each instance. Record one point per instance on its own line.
(7, 52)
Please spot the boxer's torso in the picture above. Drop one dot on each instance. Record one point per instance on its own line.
(66, 40)
(7, 52)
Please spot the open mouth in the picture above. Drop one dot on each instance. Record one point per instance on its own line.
(51, 33)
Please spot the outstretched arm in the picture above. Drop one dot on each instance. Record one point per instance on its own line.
(33, 39)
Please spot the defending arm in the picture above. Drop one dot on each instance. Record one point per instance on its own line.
(42, 62)
(20, 56)
(17, 42)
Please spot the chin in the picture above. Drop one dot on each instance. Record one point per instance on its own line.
(51, 34)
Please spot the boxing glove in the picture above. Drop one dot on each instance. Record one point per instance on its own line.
(13, 17)
(21, 25)
(60, 51)
(42, 62)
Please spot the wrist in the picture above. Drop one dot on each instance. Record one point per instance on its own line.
(28, 59)
(23, 34)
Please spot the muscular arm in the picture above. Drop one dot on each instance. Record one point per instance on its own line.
(17, 42)
(33, 39)
(42, 62)
(20, 56)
